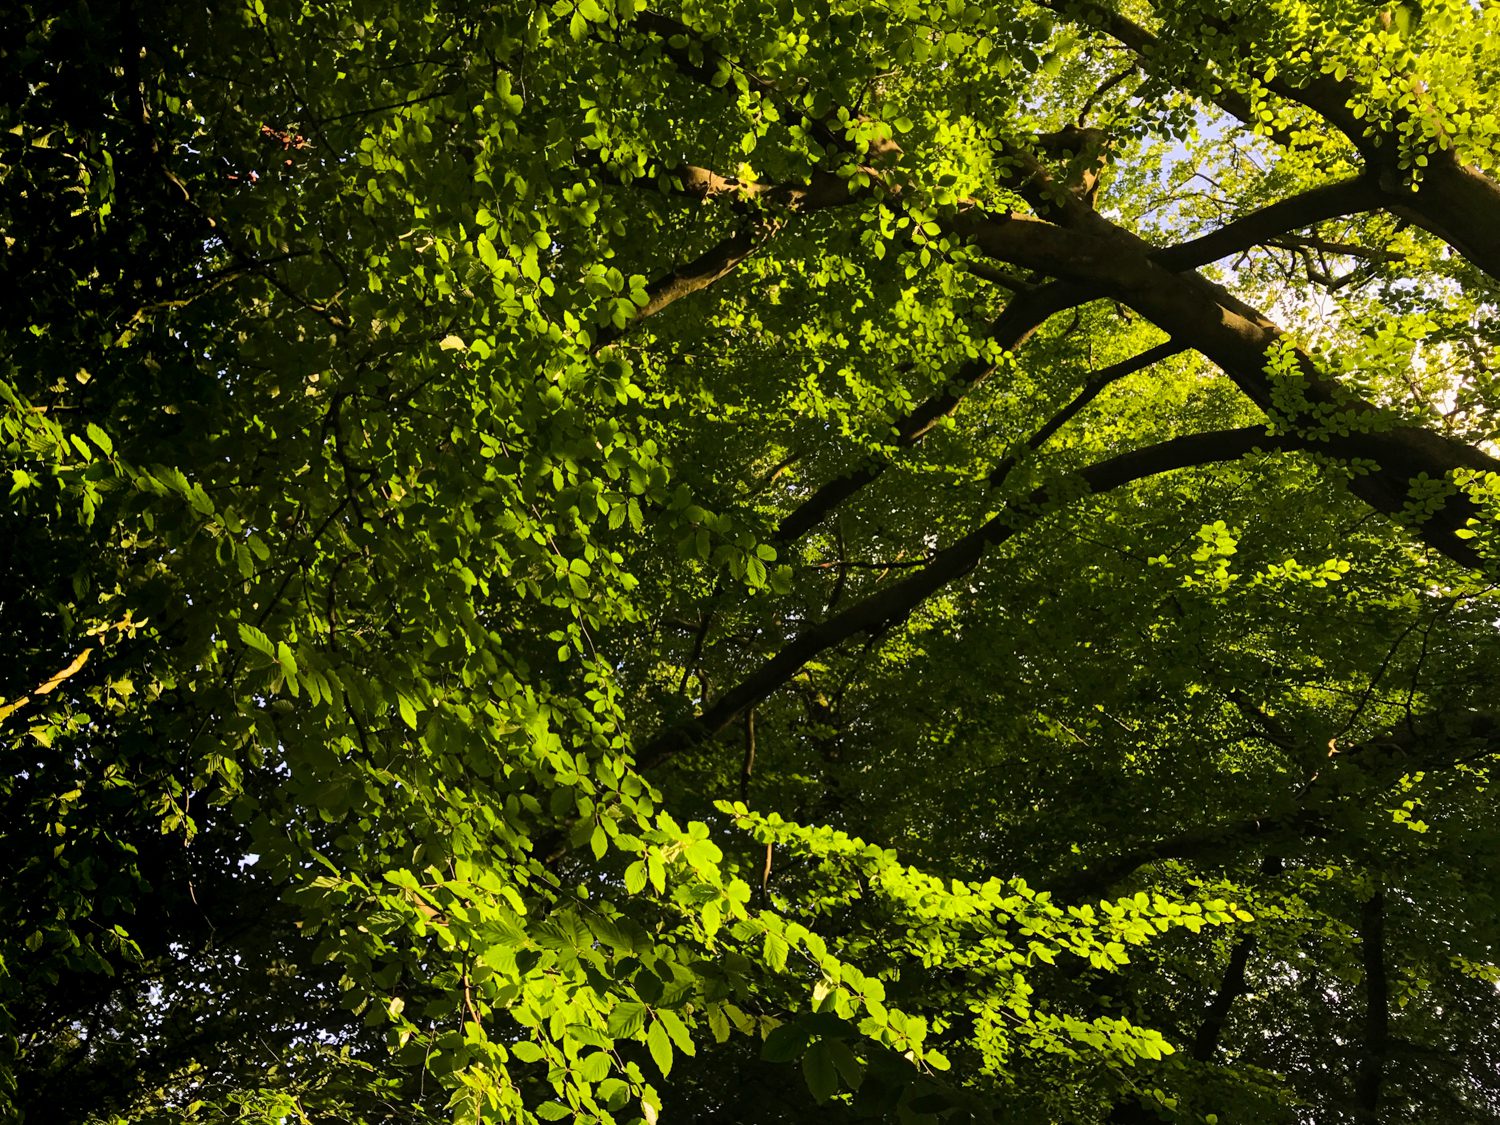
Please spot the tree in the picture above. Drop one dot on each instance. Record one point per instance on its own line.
(786, 561)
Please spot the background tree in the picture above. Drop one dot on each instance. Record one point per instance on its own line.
(580, 560)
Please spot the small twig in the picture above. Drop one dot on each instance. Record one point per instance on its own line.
(749, 766)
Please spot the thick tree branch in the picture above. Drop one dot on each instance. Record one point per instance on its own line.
(1459, 204)
(1447, 739)
(1242, 342)
(1203, 844)
(1232, 986)
(1093, 253)
(819, 191)
(1454, 201)
(701, 272)
(1148, 50)
(1330, 201)
(761, 204)
(689, 278)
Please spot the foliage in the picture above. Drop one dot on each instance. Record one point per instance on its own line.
(596, 561)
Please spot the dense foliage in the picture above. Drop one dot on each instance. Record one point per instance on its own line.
(749, 559)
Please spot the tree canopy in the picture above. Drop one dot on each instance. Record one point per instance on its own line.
(620, 561)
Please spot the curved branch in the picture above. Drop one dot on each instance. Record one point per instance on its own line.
(895, 603)
(1454, 201)
(1347, 197)
(1097, 255)
(1096, 880)
(1242, 342)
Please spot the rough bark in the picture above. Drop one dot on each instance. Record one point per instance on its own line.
(1241, 341)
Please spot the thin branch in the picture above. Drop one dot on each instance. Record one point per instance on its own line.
(1368, 253)
(369, 111)
(892, 605)
(748, 767)
(1364, 699)
(890, 564)
(1092, 388)
(698, 638)
(1025, 313)
(1006, 279)
(1103, 88)
(1370, 1074)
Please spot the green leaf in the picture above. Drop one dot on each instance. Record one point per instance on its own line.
(718, 1023)
(486, 250)
(776, 950)
(257, 640)
(657, 871)
(677, 1030)
(712, 918)
(818, 1068)
(526, 1051)
(626, 1019)
(635, 878)
(661, 1048)
(849, 1067)
(784, 1043)
(613, 1093)
(594, 1066)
